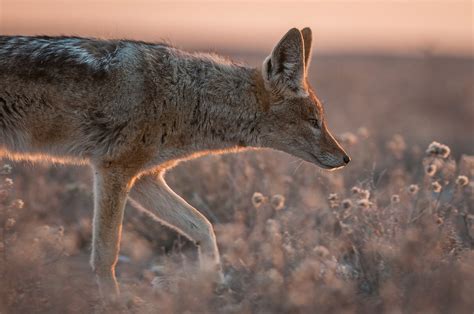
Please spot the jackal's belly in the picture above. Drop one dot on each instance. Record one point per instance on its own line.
(20, 145)
(28, 136)
(36, 124)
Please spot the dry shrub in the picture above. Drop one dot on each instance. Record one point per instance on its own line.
(369, 245)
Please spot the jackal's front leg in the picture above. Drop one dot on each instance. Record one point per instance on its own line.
(111, 185)
(151, 193)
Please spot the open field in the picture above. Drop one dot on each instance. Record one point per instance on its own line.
(387, 234)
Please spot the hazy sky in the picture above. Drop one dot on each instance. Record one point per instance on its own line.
(343, 26)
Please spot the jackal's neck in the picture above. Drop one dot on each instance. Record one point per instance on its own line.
(221, 104)
(235, 103)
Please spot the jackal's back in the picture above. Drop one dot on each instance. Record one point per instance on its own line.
(69, 96)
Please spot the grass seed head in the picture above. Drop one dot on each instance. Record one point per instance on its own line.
(462, 180)
(18, 204)
(8, 183)
(413, 189)
(348, 138)
(436, 187)
(346, 204)
(363, 203)
(278, 201)
(333, 200)
(364, 194)
(257, 199)
(395, 198)
(10, 223)
(355, 190)
(363, 132)
(397, 146)
(6, 169)
(438, 150)
(430, 170)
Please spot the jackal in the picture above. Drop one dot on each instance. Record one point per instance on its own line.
(132, 109)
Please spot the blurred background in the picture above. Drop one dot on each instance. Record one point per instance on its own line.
(377, 26)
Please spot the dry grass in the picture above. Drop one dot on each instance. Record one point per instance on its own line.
(391, 233)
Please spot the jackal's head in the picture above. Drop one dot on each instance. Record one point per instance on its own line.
(294, 122)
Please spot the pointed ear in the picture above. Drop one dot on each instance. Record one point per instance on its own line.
(283, 70)
(307, 40)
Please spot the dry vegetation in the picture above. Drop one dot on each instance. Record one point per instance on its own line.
(391, 233)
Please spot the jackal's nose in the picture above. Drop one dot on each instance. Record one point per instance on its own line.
(346, 159)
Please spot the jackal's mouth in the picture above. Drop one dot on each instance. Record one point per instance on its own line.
(323, 165)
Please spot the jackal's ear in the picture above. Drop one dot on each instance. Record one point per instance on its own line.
(307, 40)
(283, 70)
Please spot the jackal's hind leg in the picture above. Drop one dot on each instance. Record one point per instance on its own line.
(110, 194)
(152, 194)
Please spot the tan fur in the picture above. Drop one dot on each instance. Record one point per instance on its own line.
(132, 110)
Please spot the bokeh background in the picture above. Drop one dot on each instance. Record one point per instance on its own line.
(393, 75)
(367, 26)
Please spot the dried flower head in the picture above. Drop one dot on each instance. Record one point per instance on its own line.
(363, 203)
(10, 223)
(438, 150)
(333, 200)
(395, 198)
(321, 251)
(439, 220)
(413, 189)
(462, 180)
(363, 132)
(436, 187)
(6, 169)
(18, 204)
(397, 146)
(257, 199)
(364, 194)
(430, 170)
(348, 138)
(278, 201)
(346, 204)
(61, 231)
(355, 190)
(8, 182)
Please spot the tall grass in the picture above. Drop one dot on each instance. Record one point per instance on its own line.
(394, 236)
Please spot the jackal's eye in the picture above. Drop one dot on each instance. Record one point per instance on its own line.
(314, 123)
